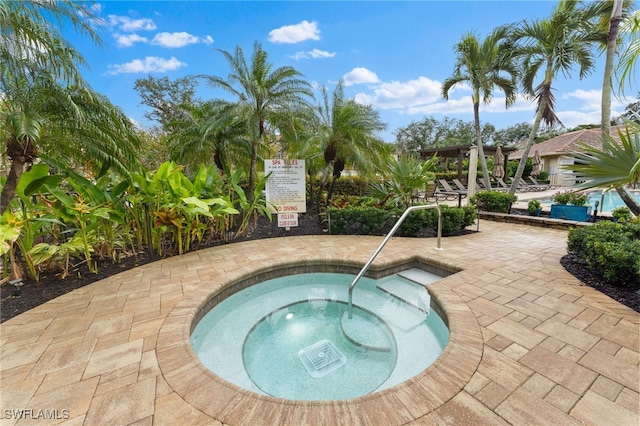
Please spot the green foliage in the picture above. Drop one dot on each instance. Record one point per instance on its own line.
(359, 220)
(402, 179)
(533, 206)
(351, 185)
(493, 201)
(183, 209)
(574, 198)
(375, 221)
(621, 214)
(611, 249)
(543, 176)
(352, 201)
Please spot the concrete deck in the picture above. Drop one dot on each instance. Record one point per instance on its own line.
(529, 344)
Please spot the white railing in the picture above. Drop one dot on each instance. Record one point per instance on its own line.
(389, 235)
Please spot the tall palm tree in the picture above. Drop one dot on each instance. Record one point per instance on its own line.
(70, 124)
(262, 94)
(484, 65)
(346, 134)
(613, 14)
(553, 45)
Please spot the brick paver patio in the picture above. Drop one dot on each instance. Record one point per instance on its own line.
(529, 345)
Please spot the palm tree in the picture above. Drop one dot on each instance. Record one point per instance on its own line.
(262, 93)
(630, 28)
(30, 42)
(613, 16)
(484, 66)
(553, 45)
(72, 125)
(46, 107)
(210, 128)
(344, 131)
(615, 165)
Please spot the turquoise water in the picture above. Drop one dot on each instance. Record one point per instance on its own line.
(271, 358)
(262, 338)
(610, 201)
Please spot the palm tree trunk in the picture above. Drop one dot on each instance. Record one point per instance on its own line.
(252, 170)
(527, 148)
(628, 199)
(9, 189)
(483, 160)
(616, 17)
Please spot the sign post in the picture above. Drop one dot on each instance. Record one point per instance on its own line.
(285, 189)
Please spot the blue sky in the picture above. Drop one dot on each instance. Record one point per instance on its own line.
(394, 55)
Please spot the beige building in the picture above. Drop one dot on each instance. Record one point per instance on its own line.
(556, 152)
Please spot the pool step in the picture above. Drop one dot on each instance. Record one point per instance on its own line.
(362, 332)
(419, 276)
(408, 292)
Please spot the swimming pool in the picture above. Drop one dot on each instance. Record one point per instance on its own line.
(607, 203)
(290, 337)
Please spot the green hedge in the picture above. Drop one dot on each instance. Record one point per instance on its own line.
(376, 221)
(493, 201)
(610, 249)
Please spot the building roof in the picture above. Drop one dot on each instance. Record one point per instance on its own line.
(568, 142)
(458, 150)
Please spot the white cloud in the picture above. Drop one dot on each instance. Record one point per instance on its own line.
(359, 75)
(313, 54)
(128, 40)
(305, 30)
(181, 39)
(577, 118)
(147, 65)
(591, 99)
(403, 95)
(124, 23)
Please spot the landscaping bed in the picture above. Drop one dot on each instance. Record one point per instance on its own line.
(50, 286)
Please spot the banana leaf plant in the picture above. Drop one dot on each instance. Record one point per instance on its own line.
(30, 217)
(182, 209)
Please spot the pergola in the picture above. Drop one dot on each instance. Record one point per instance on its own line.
(461, 151)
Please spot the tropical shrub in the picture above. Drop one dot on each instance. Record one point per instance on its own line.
(574, 198)
(610, 249)
(359, 220)
(376, 221)
(402, 179)
(493, 201)
(351, 185)
(533, 206)
(621, 214)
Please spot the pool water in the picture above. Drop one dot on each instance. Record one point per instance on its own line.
(610, 201)
(291, 337)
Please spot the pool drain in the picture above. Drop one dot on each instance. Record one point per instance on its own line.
(321, 358)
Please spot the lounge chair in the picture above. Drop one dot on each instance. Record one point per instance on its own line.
(523, 186)
(459, 185)
(447, 189)
(541, 186)
(494, 187)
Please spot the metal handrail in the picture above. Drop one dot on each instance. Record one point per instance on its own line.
(389, 235)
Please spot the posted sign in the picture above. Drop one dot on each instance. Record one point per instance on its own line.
(285, 189)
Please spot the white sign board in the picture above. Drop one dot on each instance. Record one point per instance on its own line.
(287, 220)
(285, 188)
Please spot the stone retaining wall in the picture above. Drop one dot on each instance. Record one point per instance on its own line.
(541, 221)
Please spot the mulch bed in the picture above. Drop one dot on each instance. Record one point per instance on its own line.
(50, 286)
